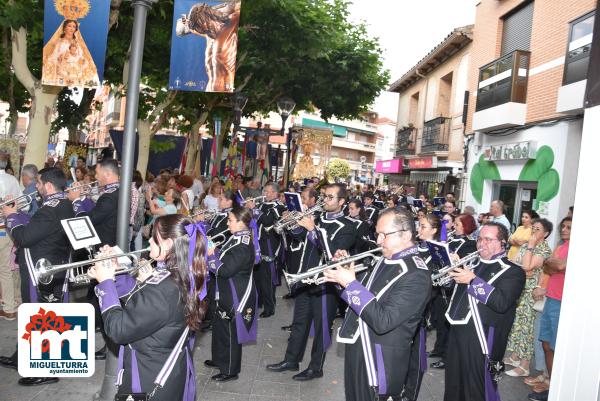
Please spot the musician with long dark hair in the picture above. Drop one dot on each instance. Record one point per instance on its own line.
(152, 321)
(358, 215)
(235, 322)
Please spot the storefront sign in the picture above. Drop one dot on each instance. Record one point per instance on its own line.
(389, 166)
(511, 151)
(422, 162)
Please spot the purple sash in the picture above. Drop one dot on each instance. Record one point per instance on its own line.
(244, 335)
(274, 276)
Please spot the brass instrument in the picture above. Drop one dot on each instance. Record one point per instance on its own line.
(290, 222)
(86, 189)
(21, 201)
(257, 199)
(208, 214)
(442, 277)
(311, 276)
(44, 271)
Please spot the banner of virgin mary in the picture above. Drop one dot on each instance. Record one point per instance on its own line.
(75, 33)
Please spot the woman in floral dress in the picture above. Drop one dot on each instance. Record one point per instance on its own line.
(531, 257)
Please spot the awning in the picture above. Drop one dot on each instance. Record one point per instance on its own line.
(430, 176)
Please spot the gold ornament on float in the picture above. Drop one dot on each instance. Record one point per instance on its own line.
(72, 9)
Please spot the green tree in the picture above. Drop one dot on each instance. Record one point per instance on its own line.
(338, 169)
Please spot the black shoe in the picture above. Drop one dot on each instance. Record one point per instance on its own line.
(101, 354)
(308, 374)
(439, 364)
(210, 363)
(207, 328)
(37, 381)
(267, 314)
(283, 366)
(222, 377)
(435, 354)
(8, 362)
(288, 296)
(286, 328)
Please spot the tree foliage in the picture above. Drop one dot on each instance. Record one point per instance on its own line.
(338, 168)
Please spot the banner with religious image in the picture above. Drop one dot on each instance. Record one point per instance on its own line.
(312, 141)
(204, 45)
(75, 34)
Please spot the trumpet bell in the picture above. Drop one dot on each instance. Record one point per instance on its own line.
(42, 266)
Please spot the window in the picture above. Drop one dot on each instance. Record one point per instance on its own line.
(349, 156)
(516, 29)
(578, 49)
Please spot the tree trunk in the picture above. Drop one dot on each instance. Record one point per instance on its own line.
(144, 138)
(40, 119)
(225, 125)
(193, 152)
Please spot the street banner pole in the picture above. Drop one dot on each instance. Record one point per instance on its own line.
(140, 14)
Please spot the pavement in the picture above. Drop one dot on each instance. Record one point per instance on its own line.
(254, 383)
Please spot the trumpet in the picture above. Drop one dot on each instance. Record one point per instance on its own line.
(311, 276)
(44, 271)
(257, 199)
(442, 277)
(21, 201)
(290, 222)
(86, 189)
(208, 214)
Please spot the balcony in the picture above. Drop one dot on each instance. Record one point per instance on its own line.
(436, 134)
(406, 143)
(355, 145)
(502, 92)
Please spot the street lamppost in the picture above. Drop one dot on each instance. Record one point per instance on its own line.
(285, 106)
(239, 102)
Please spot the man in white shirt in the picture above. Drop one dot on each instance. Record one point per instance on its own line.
(9, 186)
(497, 210)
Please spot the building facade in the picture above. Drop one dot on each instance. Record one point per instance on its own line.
(430, 125)
(527, 84)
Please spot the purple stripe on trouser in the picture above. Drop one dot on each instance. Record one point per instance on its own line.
(136, 387)
(33, 296)
(120, 366)
(325, 322)
(243, 336)
(189, 392)
(380, 370)
(274, 275)
(65, 290)
(422, 350)
(491, 388)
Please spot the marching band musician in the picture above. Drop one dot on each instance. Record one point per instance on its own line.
(218, 231)
(267, 276)
(481, 314)
(235, 320)
(385, 310)
(370, 209)
(358, 215)
(317, 304)
(152, 320)
(103, 214)
(461, 242)
(41, 236)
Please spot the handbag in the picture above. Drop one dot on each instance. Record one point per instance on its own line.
(539, 305)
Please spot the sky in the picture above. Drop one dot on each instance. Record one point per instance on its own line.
(407, 31)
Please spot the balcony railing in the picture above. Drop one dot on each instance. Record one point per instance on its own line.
(406, 142)
(436, 133)
(503, 80)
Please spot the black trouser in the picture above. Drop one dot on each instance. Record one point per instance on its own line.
(264, 286)
(465, 365)
(414, 377)
(439, 305)
(308, 310)
(226, 352)
(210, 297)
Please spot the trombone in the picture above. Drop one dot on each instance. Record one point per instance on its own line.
(86, 189)
(44, 271)
(442, 277)
(311, 276)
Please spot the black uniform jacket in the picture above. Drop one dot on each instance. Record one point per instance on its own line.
(219, 232)
(496, 289)
(44, 236)
(363, 238)
(334, 231)
(270, 213)
(104, 215)
(462, 245)
(150, 320)
(390, 301)
(233, 270)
